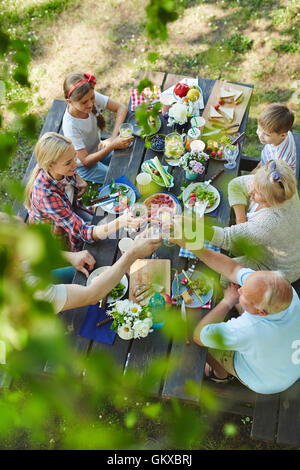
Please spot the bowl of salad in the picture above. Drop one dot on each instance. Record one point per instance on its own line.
(117, 292)
(201, 192)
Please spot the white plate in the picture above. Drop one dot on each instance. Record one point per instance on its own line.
(109, 206)
(100, 270)
(191, 187)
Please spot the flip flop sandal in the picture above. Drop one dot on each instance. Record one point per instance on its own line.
(211, 376)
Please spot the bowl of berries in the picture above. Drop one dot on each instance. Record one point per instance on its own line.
(156, 142)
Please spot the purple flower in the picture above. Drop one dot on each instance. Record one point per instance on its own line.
(197, 167)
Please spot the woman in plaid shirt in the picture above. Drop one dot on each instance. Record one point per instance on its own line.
(53, 192)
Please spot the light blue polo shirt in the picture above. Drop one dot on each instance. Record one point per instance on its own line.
(267, 349)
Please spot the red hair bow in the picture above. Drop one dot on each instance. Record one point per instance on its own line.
(91, 78)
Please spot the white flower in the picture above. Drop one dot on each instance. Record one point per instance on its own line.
(135, 310)
(178, 113)
(125, 331)
(122, 306)
(141, 328)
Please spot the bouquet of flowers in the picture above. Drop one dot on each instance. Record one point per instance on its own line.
(178, 114)
(194, 161)
(130, 319)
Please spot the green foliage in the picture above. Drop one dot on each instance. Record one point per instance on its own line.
(159, 13)
(239, 43)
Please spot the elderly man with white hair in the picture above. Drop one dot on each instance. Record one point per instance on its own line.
(262, 346)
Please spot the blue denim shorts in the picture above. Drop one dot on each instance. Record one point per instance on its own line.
(97, 172)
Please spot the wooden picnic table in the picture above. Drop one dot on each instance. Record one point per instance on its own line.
(276, 417)
(143, 351)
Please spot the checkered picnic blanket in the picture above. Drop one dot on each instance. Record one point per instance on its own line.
(188, 254)
(146, 96)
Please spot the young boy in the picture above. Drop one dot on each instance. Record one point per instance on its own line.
(273, 131)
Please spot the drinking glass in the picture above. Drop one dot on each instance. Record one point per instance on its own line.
(230, 154)
(138, 210)
(126, 130)
(143, 181)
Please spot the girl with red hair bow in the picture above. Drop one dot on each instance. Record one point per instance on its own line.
(83, 122)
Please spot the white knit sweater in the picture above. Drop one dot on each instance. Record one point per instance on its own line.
(275, 229)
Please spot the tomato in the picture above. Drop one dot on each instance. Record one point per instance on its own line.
(118, 208)
(181, 89)
(193, 195)
(217, 107)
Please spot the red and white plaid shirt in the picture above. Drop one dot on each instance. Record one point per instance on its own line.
(50, 203)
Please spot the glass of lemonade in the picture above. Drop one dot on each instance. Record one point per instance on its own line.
(174, 148)
(126, 130)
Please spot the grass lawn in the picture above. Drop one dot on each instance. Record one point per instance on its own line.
(248, 41)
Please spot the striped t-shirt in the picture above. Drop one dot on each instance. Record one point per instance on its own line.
(285, 151)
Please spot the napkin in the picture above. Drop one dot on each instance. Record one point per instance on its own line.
(88, 328)
(190, 82)
(147, 95)
(188, 254)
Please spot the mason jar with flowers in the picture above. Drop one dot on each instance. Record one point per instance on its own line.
(194, 163)
(130, 320)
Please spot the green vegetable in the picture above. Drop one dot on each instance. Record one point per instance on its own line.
(117, 291)
(203, 194)
(163, 178)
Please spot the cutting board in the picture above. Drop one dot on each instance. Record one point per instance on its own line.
(148, 271)
(239, 108)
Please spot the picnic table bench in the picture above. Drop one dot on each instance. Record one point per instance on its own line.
(276, 418)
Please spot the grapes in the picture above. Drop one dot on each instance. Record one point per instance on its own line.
(158, 143)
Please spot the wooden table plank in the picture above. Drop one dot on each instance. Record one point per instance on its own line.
(265, 417)
(124, 162)
(289, 417)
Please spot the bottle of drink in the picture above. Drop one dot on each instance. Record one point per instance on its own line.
(157, 305)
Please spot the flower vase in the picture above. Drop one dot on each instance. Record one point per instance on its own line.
(190, 175)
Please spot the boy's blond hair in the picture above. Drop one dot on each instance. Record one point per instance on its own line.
(276, 118)
(276, 193)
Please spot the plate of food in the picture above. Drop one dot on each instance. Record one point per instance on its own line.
(195, 290)
(154, 123)
(117, 292)
(215, 147)
(162, 202)
(117, 197)
(201, 192)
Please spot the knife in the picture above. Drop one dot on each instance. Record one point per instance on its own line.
(220, 130)
(107, 197)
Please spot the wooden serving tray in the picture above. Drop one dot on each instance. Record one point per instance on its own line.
(239, 108)
(148, 271)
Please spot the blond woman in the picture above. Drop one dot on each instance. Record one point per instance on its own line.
(53, 191)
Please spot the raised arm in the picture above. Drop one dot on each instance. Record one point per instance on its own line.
(79, 296)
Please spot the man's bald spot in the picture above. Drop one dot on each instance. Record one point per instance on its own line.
(260, 284)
